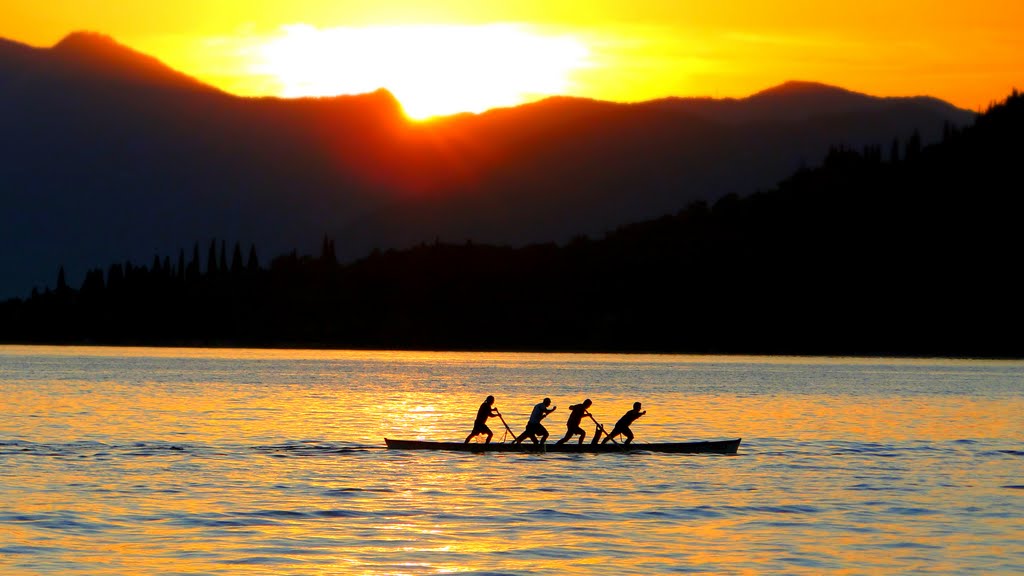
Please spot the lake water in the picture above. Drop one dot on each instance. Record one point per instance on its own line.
(180, 461)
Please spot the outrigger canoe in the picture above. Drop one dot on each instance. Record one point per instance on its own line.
(700, 447)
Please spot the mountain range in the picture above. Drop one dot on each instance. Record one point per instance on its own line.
(107, 154)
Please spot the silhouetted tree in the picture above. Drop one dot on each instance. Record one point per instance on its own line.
(327, 254)
(211, 260)
(913, 146)
(194, 266)
(223, 266)
(62, 285)
(236, 260)
(115, 277)
(93, 284)
(253, 264)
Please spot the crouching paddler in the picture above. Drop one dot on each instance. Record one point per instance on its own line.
(486, 411)
(576, 414)
(622, 426)
(534, 428)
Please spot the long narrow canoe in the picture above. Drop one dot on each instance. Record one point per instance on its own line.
(701, 447)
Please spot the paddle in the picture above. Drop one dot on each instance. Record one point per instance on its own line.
(500, 417)
(601, 428)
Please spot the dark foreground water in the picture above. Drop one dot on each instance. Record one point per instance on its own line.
(151, 461)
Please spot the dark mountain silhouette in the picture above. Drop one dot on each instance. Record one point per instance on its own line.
(583, 166)
(908, 251)
(97, 57)
(107, 154)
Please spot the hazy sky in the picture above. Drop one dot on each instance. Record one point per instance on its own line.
(444, 55)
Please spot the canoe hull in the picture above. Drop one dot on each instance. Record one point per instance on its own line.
(701, 447)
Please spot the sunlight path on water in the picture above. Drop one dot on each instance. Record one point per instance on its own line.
(132, 460)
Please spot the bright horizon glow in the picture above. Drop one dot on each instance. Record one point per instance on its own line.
(432, 70)
(967, 52)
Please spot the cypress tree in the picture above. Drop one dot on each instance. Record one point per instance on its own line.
(93, 282)
(222, 268)
(327, 254)
(236, 259)
(254, 262)
(211, 260)
(62, 285)
(115, 277)
(193, 266)
(913, 146)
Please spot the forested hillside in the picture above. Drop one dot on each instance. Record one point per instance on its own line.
(903, 250)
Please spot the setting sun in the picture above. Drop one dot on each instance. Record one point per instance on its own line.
(451, 56)
(432, 70)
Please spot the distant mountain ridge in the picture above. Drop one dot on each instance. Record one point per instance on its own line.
(102, 55)
(107, 154)
(876, 254)
(95, 55)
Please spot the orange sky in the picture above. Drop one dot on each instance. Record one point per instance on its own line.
(444, 56)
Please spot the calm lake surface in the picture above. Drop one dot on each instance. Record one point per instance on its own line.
(182, 461)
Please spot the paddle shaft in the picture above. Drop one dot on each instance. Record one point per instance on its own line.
(600, 427)
(500, 417)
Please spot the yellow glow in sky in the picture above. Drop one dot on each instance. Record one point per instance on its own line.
(431, 69)
(452, 55)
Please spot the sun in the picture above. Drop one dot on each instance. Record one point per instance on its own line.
(432, 70)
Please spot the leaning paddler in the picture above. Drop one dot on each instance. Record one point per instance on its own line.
(576, 414)
(486, 411)
(534, 428)
(622, 426)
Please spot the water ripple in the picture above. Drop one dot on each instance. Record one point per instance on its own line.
(27, 550)
(203, 462)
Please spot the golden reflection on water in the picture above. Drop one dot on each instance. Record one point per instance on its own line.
(404, 402)
(203, 458)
